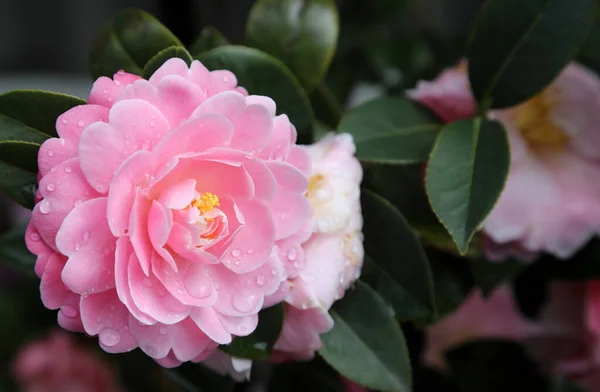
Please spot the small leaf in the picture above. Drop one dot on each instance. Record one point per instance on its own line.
(18, 184)
(262, 74)
(396, 265)
(209, 38)
(391, 130)
(466, 174)
(366, 344)
(489, 274)
(30, 115)
(301, 33)
(157, 61)
(14, 252)
(520, 47)
(259, 344)
(20, 154)
(128, 42)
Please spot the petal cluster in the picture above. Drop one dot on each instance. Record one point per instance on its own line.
(163, 210)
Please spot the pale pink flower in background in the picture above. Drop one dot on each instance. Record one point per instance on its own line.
(57, 364)
(237, 368)
(332, 255)
(163, 210)
(563, 339)
(551, 202)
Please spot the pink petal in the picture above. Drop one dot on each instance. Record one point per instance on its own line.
(299, 159)
(178, 196)
(71, 123)
(104, 315)
(209, 321)
(180, 240)
(279, 144)
(173, 66)
(53, 292)
(150, 296)
(253, 128)
(228, 104)
(85, 238)
(264, 101)
(222, 80)
(160, 222)
(240, 326)
(301, 330)
(122, 256)
(179, 97)
(138, 232)
(105, 91)
(251, 247)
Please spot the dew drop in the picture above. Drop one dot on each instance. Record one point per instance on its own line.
(77, 202)
(80, 123)
(244, 301)
(109, 337)
(292, 254)
(86, 235)
(145, 145)
(62, 141)
(225, 79)
(180, 291)
(77, 245)
(53, 170)
(50, 153)
(68, 169)
(68, 311)
(250, 251)
(282, 217)
(273, 272)
(152, 123)
(85, 294)
(45, 207)
(105, 91)
(237, 262)
(162, 330)
(236, 253)
(243, 329)
(51, 187)
(117, 83)
(34, 236)
(64, 121)
(296, 265)
(261, 280)
(198, 286)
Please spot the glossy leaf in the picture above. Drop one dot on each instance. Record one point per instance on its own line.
(301, 33)
(209, 38)
(489, 274)
(326, 107)
(14, 252)
(396, 265)
(466, 174)
(155, 62)
(262, 74)
(18, 184)
(128, 42)
(259, 344)
(520, 47)
(20, 154)
(297, 376)
(30, 115)
(366, 344)
(391, 130)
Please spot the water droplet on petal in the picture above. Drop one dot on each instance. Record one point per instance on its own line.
(105, 91)
(86, 235)
(50, 153)
(80, 123)
(237, 262)
(45, 206)
(109, 337)
(34, 236)
(68, 169)
(244, 301)
(292, 254)
(117, 83)
(64, 121)
(273, 272)
(53, 170)
(236, 253)
(68, 311)
(250, 251)
(261, 280)
(50, 187)
(77, 245)
(198, 286)
(162, 330)
(152, 123)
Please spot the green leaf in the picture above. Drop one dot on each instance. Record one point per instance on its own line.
(13, 250)
(489, 274)
(520, 47)
(466, 174)
(128, 42)
(262, 74)
(209, 38)
(561, 384)
(30, 115)
(259, 344)
(326, 107)
(391, 130)
(301, 33)
(366, 344)
(313, 376)
(396, 265)
(155, 62)
(20, 154)
(18, 184)
(192, 377)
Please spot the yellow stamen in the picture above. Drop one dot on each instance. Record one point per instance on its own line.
(314, 183)
(534, 119)
(206, 202)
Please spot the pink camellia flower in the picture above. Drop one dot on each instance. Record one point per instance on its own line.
(225, 365)
(564, 339)
(332, 255)
(163, 210)
(57, 364)
(550, 202)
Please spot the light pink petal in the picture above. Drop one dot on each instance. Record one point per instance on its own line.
(105, 91)
(35, 245)
(279, 295)
(195, 136)
(138, 232)
(199, 74)
(251, 247)
(299, 159)
(122, 257)
(228, 104)
(85, 238)
(133, 125)
(281, 141)
(209, 321)
(62, 189)
(301, 330)
(180, 240)
(222, 80)
(67, 318)
(264, 101)
(243, 295)
(190, 285)
(152, 298)
(104, 315)
(71, 123)
(173, 66)
(253, 128)
(169, 362)
(160, 222)
(178, 97)
(52, 290)
(53, 152)
(178, 196)
(239, 326)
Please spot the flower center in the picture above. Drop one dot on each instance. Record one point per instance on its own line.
(314, 184)
(534, 120)
(206, 202)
